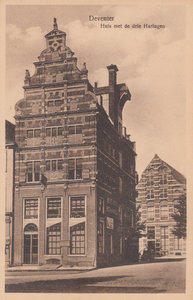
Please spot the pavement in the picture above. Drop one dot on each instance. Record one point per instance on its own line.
(56, 267)
(46, 267)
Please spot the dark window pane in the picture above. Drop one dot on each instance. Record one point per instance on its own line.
(79, 129)
(30, 133)
(53, 165)
(36, 171)
(48, 165)
(37, 133)
(79, 168)
(54, 131)
(48, 131)
(71, 168)
(60, 129)
(50, 103)
(71, 129)
(60, 164)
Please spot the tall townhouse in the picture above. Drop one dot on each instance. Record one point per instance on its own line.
(75, 164)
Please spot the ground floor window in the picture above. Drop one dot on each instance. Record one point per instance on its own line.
(164, 238)
(101, 237)
(30, 208)
(177, 243)
(77, 239)
(53, 239)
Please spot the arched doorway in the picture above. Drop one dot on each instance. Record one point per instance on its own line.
(30, 244)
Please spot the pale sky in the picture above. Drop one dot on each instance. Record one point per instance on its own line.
(150, 61)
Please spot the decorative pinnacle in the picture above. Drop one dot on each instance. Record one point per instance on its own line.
(55, 24)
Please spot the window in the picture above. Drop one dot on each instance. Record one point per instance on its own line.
(33, 171)
(53, 239)
(150, 194)
(163, 179)
(75, 168)
(30, 133)
(48, 131)
(164, 238)
(75, 129)
(150, 212)
(150, 180)
(47, 165)
(101, 205)
(77, 206)
(33, 133)
(101, 237)
(77, 239)
(54, 208)
(50, 103)
(60, 130)
(121, 214)
(164, 212)
(151, 232)
(37, 133)
(59, 102)
(54, 131)
(177, 243)
(54, 165)
(60, 164)
(30, 208)
(163, 193)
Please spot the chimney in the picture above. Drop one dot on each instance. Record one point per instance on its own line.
(113, 101)
(112, 74)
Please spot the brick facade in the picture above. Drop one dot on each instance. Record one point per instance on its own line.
(158, 192)
(74, 169)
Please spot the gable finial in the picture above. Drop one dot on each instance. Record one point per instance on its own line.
(55, 24)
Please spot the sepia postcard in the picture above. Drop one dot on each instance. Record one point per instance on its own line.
(96, 119)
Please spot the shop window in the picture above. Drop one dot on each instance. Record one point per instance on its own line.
(30, 208)
(77, 239)
(53, 207)
(53, 239)
(77, 206)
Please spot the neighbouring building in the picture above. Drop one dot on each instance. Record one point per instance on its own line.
(74, 164)
(158, 192)
(9, 190)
